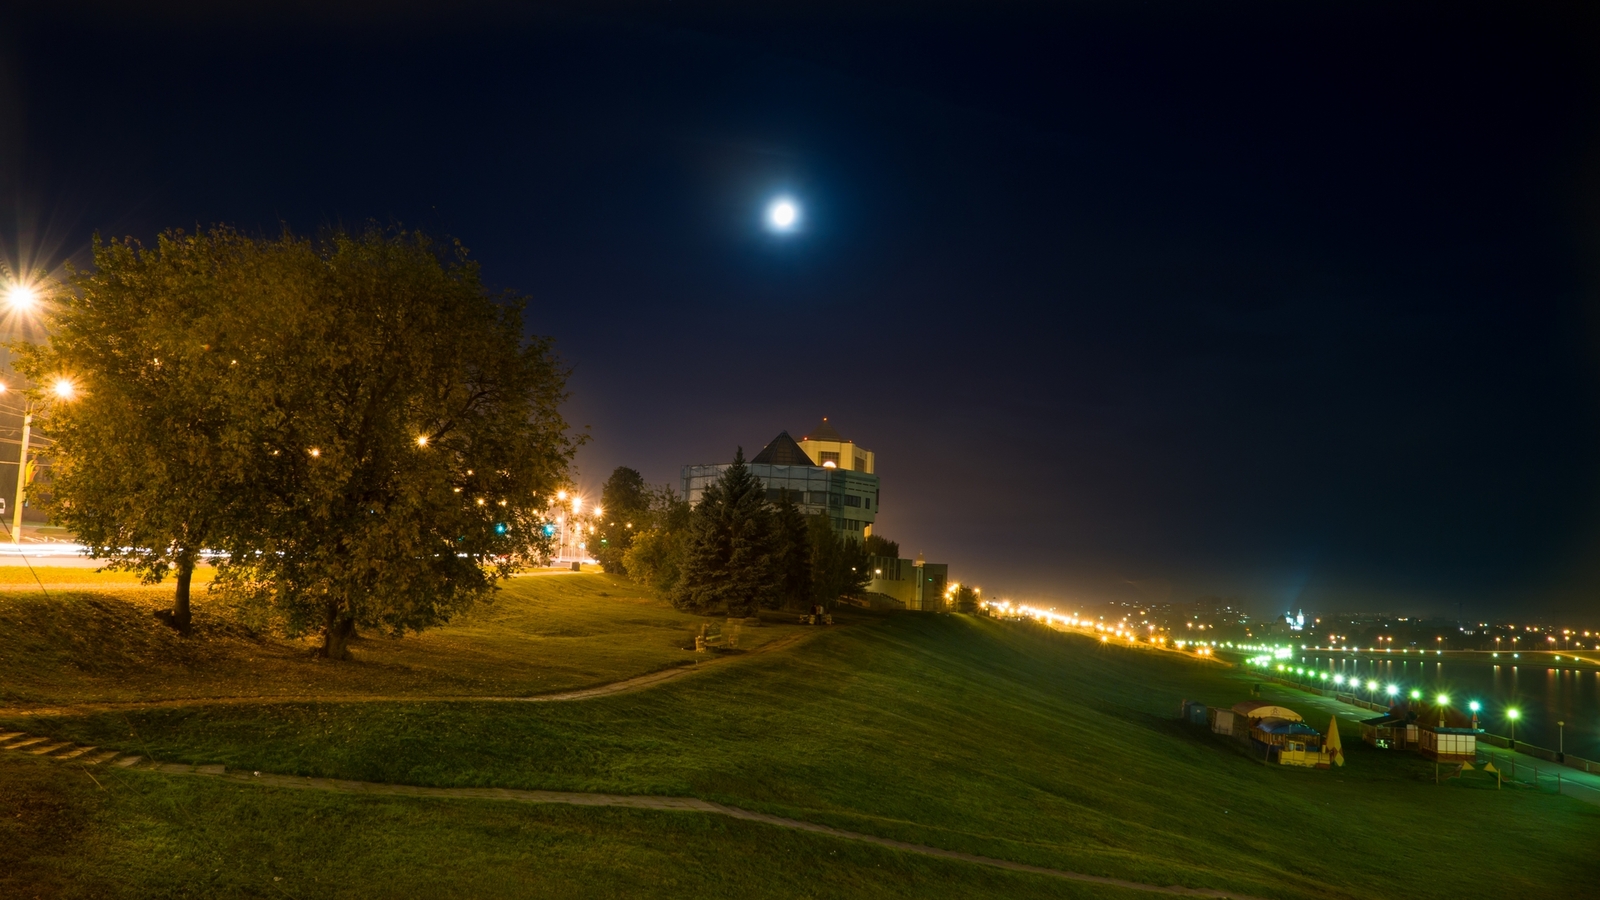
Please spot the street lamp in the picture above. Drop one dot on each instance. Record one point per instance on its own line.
(1444, 701)
(22, 297)
(1512, 715)
(1474, 707)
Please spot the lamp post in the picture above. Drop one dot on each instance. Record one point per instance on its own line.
(1444, 701)
(1561, 741)
(1511, 716)
(22, 476)
(23, 299)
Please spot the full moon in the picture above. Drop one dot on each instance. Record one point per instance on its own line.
(783, 214)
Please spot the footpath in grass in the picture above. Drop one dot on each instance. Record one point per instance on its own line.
(539, 635)
(999, 739)
(139, 835)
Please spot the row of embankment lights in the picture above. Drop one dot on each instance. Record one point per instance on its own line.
(1106, 632)
(1203, 648)
(1393, 690)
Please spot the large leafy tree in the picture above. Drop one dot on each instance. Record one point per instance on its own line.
(147, 455)
(728, 557)
(625, 500)
(404, 431)
(355, 423)
(655, 556)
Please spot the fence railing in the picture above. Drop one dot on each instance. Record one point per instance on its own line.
(1546, 777)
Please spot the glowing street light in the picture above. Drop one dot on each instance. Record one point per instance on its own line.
(1512, 715)
(63, 390)
(22, 298)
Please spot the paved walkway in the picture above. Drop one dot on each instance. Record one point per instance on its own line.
(88, 757)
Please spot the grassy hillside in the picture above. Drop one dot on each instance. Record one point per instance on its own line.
(1001, 739)
(540, 634)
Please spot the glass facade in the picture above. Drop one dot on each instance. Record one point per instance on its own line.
(849, 499)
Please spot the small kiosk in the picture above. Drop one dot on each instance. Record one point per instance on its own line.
(1442, 743)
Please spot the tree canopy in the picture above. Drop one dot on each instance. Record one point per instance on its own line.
(655, 556)
(374, 436)
(875, 545)
(625, 500)
(150, 457)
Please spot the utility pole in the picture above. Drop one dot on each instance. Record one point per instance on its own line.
(22, 479)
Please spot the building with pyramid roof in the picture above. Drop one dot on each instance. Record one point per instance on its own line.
(836, 480)
(826, 474)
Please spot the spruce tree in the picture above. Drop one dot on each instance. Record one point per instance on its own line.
(729, 559)
(839, 567)
(792, 555)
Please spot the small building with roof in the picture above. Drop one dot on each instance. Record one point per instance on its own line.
(1390, 731)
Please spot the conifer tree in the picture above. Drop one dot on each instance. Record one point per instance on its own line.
(838, 564)
(792, 555)
(728, 563)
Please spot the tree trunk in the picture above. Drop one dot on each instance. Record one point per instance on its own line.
(178, 617)
(336, 634)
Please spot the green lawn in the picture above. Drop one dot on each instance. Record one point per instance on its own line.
(1002, 739)
(141, 836)
(541, 633)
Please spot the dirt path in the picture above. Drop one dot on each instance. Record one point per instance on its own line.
(626, 685)
(88, 757)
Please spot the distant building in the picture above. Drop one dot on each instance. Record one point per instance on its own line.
(914, 583)
(847, 494)
(826, 474)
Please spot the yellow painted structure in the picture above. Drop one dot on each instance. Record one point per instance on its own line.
(831, 450)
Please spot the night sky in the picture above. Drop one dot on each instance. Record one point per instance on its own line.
(1132, 301)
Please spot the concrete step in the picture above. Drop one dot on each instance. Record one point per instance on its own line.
(27, 743)
(102, 756)
(9, 735)
(128, 762)
(48, 749)
(74, 754)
